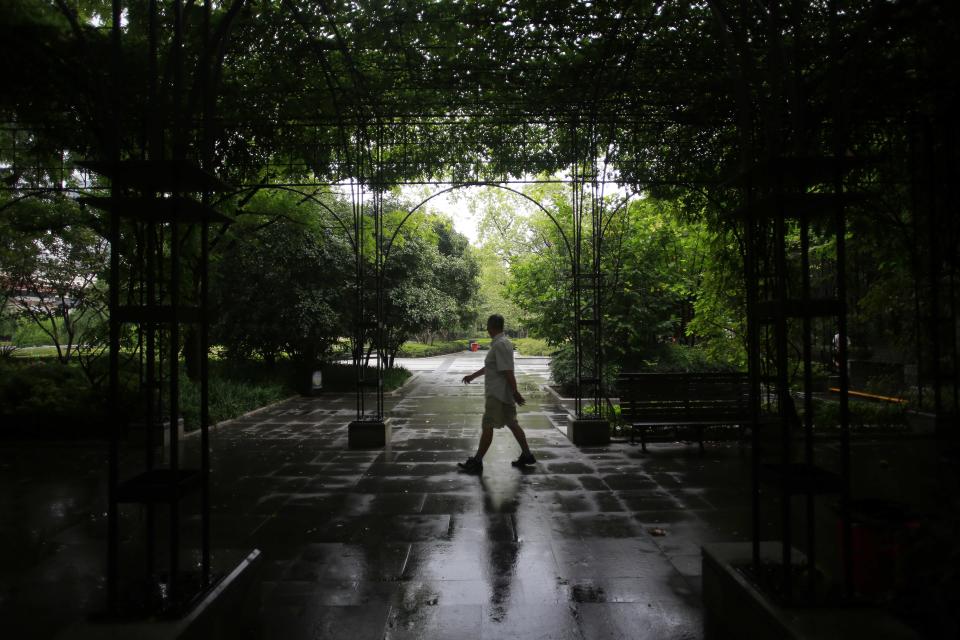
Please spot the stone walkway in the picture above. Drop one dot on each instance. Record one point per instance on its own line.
(395, 542)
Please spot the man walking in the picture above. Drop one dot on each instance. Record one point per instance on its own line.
(501, 398)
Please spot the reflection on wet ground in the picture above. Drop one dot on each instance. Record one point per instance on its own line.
(395, 543)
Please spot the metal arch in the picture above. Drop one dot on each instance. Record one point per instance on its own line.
(465, 185)
(308, 196)
(626, 200)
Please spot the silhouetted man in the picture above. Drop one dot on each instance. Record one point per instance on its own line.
(501, 398)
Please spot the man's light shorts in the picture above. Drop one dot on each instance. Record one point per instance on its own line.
(497, 413)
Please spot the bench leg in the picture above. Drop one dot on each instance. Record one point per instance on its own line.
(643, 439)
(700, 433)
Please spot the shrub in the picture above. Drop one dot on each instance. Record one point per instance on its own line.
(533, 347)
(44, 398)
(412, 349)
(863, 415)
(675, 358)
(563, 370)
(342, 377)
(229, 398)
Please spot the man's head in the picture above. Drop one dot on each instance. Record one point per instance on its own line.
(495, 324)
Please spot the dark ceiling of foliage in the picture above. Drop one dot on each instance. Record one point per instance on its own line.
(475, 90)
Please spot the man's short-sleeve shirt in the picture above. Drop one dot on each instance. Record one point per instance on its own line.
(499, 359)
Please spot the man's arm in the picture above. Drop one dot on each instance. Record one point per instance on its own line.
(512, 381)
(476, 374)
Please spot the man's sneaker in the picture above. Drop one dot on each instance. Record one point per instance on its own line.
(472, 465)
(524, 460)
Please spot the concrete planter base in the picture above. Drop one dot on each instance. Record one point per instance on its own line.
(735, 608)
(589, 433)
(368, 435)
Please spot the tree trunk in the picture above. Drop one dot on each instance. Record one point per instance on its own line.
(366, 362)
(191, 353)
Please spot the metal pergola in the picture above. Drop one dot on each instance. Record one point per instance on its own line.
(452, 95)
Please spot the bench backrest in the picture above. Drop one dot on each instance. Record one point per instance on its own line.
(683, 396)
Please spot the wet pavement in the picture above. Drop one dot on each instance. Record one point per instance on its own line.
(395, 542)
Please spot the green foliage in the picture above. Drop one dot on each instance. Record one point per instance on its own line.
(864, 416)
(524, 346)
(42, 388)
(673, 357)
(278, 288)
(51, 263)
(533, 347)
(34, 334)
(421, 350)
(231, 394)
(8, 323)
(494, 282)
(42, 397)
(718, 326)
(563, 370)
(343, 378)
(430, 282)
(672, 298)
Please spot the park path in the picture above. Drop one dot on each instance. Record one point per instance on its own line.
(395, 542)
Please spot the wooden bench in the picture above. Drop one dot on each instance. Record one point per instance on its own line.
(674, 400)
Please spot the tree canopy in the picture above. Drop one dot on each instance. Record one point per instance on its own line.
(670, 92)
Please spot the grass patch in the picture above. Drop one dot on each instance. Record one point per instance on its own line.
(35, 353)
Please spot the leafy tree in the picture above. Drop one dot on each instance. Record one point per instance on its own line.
(430, 283)
(52, 269)
(494, 281)
(280, 291)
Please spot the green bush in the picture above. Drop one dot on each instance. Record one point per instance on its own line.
(563, 371)
(533, 347)
(229, 398)
(672, 357)
(42, 397)
(412, 349)
(343, 377)
(237, 387)
(863, 415)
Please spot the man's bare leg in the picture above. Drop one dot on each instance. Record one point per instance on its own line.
(519, 435)
(486, 437)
